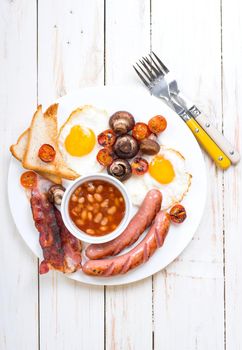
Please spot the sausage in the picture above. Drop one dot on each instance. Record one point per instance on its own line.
(135, 257)
(142, 219)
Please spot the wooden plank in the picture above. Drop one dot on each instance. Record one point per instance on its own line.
(188, 295)
(18, 274)
(71, 46)
(128, 308)
(232, 106)
(70, 56)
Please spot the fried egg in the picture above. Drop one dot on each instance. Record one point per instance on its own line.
(167, 173)
(78, 139)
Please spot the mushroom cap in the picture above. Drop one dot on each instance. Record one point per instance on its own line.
(126, 147)
(55, 194)
(149, 146)
(120, 168)
(122, 122)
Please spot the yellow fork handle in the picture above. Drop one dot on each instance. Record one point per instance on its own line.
(220, 159)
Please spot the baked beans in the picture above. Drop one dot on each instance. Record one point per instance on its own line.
(96, 207)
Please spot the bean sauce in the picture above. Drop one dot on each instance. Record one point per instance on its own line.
(96, 207)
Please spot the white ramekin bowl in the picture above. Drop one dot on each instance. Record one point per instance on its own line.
(81, 234)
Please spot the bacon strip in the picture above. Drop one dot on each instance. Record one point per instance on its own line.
(61, 250)
(49, 239)
(71, 246)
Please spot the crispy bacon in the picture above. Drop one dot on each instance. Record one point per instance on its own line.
(61, 250)
(71, 246)
(49, 239)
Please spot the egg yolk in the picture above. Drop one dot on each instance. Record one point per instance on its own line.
(80, 141)
(161, 170)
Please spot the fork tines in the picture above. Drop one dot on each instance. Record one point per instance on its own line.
(150, 68)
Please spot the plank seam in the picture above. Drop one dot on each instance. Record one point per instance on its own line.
(37, 51)
(150, 26)
(104, 42)
(104, 319)
(38, 282)
(223, 196)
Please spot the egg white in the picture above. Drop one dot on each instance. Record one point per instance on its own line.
(173, 192)
(87, 117)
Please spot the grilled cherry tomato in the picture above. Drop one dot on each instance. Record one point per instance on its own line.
(106, 138)
(28, 179)
(139, 166)
(157, 124)
(140, 131)
(105, 156)
(47, 153)
(178, 213)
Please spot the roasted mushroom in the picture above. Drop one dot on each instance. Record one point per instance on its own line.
(55, 194)
(120, 168)
(126, 147)
(150, 147)
(121, 122)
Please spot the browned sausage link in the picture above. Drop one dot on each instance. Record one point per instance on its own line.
(138, 255)
(143, 218)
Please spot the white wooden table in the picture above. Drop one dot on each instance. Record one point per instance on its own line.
(50, 47)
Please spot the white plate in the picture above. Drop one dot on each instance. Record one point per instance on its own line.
(177, 135)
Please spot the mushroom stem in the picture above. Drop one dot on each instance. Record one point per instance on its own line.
(126, 147)
(120, 168)
(55, 194)
(121, 122)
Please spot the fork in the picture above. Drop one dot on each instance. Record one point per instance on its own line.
(211, 130)
(157, 78)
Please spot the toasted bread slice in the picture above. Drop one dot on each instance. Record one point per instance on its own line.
(53, 178)
(43, 130)
(18, 150)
